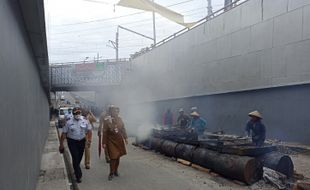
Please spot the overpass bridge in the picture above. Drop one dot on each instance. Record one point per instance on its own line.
(90, 76)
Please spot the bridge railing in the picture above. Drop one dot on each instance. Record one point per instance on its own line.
(98, 73)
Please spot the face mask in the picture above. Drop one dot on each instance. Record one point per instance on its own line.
(77, 117)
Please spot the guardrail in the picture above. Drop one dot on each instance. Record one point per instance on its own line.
(94, 61)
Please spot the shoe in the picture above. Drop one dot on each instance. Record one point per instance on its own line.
(79, 180)
(87, 167)
(110, 177)
(116, 174)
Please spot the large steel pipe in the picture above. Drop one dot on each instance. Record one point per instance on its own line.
(278, 162)
(156, 143)
(168, 148)
(242, 168)
(185, 151)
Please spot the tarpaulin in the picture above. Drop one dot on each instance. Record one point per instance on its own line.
(148, 5)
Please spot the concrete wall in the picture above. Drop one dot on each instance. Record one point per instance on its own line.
(261, 44)
(24, 104)
(256, 45)
(284, 110)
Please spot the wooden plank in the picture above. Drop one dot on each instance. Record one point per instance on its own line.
(184, 162)
(200, 168)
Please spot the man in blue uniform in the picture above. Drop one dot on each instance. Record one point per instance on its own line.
(256, 128)
(75, 132)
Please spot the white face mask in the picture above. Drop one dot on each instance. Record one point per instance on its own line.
(77, 117)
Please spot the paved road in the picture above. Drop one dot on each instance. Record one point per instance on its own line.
(141, 169)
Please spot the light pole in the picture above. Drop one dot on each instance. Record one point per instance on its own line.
(209, 7)
(154, 28)
(115, 45)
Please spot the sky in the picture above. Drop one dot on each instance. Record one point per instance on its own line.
(80, 30)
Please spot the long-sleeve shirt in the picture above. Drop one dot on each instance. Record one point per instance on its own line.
(183, 120)
(256, 129)
(199, 125)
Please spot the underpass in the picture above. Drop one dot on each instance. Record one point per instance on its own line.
(250, 55)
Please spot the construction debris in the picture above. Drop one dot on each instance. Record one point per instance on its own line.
(275, 178)
(302, 185)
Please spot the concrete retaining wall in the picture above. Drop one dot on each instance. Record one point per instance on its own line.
(255, 56)
(24, 104)
(260, 44)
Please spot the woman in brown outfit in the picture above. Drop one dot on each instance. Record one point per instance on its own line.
(113, 137)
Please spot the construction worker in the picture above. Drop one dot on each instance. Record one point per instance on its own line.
(183, 119)
(197, 124)
(114, 138)
(256, 128)
(75, 132)
(91, 119)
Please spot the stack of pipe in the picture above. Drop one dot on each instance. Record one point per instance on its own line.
(243, 168)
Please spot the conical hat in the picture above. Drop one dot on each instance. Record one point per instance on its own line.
(195, 114)
(255, 114)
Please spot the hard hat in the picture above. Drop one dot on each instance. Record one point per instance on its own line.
(181, 110)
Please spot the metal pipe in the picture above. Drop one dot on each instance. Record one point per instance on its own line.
(278, 162)
(242, 168)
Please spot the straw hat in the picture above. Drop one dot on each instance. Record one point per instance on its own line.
(255, 114)
(195, 114)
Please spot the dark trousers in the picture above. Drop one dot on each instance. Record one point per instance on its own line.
(76, 148)
(114, 163)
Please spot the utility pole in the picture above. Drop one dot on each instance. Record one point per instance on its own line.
(154, 29)
(209, 8)
(227, 4)
(116, 43)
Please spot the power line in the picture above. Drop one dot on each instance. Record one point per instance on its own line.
(113, 26)
(112, 18)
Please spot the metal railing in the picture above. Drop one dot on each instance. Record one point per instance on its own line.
(109, 72)
(94, 61)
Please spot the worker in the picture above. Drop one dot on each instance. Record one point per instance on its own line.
(197, 124)
(91, 119)
(114, 138)
(183, 119)
(103, 115)
(75, 132)
(256, 128)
